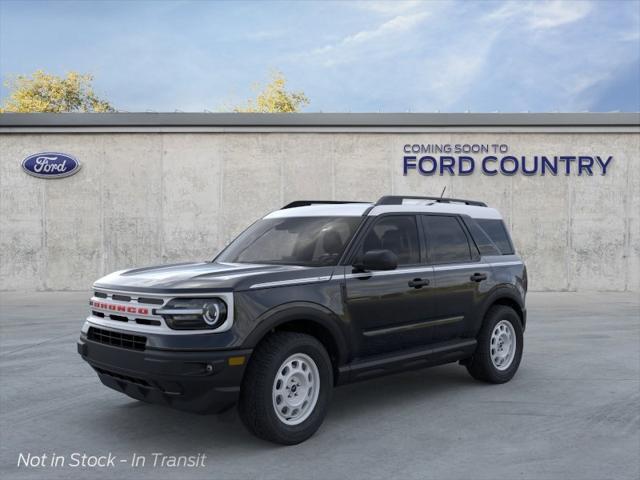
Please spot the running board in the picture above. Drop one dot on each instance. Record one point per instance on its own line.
(377, 365)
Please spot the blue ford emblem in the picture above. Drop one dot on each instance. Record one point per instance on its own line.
(50, 165)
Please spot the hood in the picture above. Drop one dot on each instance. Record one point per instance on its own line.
(195, 277)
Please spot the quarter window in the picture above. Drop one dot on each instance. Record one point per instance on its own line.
(497, 232)
(446, 240)
(484, 243)
(398, 234)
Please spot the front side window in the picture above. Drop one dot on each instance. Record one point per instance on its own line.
(446, 240)
(396, 233)
(305, 241)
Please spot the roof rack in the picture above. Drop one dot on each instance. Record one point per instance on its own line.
(397, 200)
(306, 203)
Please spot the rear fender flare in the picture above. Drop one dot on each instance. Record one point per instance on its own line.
(500, 292)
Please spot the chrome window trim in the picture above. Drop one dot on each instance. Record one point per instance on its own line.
(397, 271)
(504, 264)
(427, 269)
(459, 266)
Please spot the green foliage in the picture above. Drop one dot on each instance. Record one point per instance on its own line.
(42, 92)
(274, 98)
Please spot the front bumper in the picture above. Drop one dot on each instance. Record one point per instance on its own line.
(195, 381)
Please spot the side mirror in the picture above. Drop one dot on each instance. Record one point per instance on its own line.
(377, 260)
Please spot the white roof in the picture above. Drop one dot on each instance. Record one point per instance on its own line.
(323, 210)
(357, 209)
(471, 210)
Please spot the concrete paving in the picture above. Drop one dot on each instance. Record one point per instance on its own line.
(571, 412)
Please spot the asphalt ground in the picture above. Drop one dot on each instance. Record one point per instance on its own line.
(571, 412)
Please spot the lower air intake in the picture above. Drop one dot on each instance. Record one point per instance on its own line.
(117, 339)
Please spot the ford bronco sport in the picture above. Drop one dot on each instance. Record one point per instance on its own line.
(314, 295)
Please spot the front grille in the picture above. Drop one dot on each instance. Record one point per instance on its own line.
(129, 309)
(117, 339)
(146, 321)
(121, 298)
(152, 301)
(128, 298)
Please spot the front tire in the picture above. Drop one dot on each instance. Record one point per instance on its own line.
(286, 389)
(499, 348)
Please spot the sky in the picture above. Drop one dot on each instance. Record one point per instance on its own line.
(347, 56)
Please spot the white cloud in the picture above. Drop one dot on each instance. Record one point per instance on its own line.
(390, 7)
(541, 15)
(631, 36)
(381, 40)
(556, 13)
(456, 68)
(581, 82)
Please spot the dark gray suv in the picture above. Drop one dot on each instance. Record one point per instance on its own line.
(314, 295)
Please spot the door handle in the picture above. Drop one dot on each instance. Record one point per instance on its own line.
(478, 277)
(418, 282)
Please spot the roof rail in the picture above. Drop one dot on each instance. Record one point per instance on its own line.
(397, 200)
(306, 203)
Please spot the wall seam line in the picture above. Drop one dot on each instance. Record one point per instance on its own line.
(162, 201)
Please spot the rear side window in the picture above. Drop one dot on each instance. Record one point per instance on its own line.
(446, 240)
(484, 243)
(497, 232)
(396, 233)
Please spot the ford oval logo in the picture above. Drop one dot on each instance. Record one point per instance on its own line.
(50, 165)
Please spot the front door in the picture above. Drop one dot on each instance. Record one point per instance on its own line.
(388, 310)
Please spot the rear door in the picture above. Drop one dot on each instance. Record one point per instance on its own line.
(388, 310)
(459, 276)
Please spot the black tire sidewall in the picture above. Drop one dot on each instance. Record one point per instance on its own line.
(277, 430)
(483, 356)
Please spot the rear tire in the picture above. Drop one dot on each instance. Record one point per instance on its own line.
(499, 349)
(286, 388)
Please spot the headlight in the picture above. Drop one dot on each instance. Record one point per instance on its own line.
(194, 313)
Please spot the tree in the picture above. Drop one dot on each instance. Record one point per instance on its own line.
(274, 98)
(42, 92)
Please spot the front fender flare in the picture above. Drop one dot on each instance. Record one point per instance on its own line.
(301, 311)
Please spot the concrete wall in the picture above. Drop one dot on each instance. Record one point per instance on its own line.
(147, 198)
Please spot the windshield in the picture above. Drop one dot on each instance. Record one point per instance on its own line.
(306, 241)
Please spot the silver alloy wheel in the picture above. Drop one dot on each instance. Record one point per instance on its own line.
(503, 345)
(295, 389)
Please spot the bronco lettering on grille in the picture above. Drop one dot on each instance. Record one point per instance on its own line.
(119, 308)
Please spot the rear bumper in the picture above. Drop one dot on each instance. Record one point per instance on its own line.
(200, 381)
